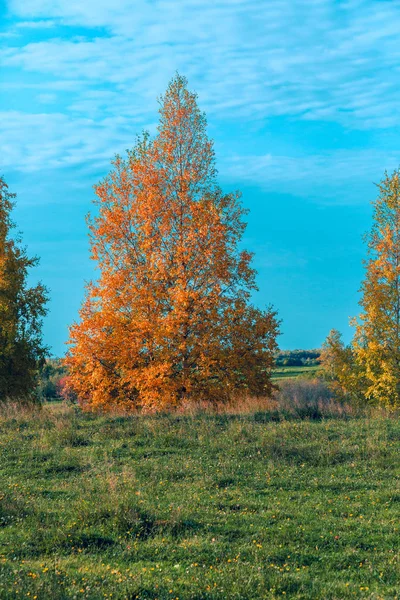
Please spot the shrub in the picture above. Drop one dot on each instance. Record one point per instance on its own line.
(304, 398)
(64, 389)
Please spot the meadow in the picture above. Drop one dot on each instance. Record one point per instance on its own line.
(198, 506)
(280, 373)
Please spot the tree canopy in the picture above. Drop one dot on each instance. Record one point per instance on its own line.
(377, 338)
(22, 309)
(369, 369)
(169, 319)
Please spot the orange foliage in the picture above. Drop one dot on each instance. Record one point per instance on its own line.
(169, 319)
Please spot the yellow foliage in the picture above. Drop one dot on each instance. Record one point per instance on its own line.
(377, 337)
(369, 369)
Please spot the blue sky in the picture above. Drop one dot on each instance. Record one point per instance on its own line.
(302, 98)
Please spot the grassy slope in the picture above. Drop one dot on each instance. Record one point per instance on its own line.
(208, 507)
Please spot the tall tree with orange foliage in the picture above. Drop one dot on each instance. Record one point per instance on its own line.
(169, 320)
(377, 339)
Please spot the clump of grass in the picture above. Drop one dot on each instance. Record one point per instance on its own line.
(295, 398)
(70, 436)
(13, 508)
(309, 399)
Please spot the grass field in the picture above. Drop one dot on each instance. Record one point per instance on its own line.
(294, 372)
(207, 507)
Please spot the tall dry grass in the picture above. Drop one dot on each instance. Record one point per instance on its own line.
(294, 399)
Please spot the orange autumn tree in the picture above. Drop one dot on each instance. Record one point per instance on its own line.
(169, 320)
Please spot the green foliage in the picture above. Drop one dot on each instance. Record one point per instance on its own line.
(22, 309)
(51, 374)
(197, 508)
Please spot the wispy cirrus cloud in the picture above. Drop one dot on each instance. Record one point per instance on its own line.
(47, 141)
(32, 142)
(37, 24)
(251, 62)
(311, 60)
(339, 176)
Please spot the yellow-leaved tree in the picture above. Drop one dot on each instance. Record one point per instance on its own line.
(377, 338)
(369, 369)
(341, 369)
(169, 319)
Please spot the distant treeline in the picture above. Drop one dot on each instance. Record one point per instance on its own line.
(298, 358)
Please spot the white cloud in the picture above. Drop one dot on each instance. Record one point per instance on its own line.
(310, 60)
(8, 34)
(47, 98)
(340, 176)
(40, 24)
(46, 141)
(30, 142)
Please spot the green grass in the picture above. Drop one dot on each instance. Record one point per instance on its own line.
(294, 372)
(202, 507)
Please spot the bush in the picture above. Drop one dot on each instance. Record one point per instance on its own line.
(64, 390)
(308, 399)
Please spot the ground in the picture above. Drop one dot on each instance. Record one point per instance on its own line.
(206, 507)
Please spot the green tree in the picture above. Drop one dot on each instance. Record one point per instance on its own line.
(22, 309)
